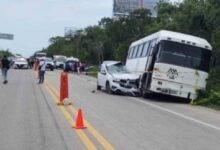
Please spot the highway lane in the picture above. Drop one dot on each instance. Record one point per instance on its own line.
(29, 119)
(135, 123)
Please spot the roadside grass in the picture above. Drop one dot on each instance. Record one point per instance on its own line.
(209, 99)
(93, 71)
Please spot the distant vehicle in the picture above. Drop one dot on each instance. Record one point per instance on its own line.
(170, 63)
(114, 77)
(39, 55)
(59, 61)
(20, 63)
(49, 64)
(71, 64)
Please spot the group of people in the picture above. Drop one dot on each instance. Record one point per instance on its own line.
(5, 65)
(77, 67)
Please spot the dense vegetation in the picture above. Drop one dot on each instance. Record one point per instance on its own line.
(5, 53)
(111, 38)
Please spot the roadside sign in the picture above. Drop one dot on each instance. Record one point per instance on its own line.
(6, 36)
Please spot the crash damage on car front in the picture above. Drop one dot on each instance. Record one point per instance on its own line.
(123, 81)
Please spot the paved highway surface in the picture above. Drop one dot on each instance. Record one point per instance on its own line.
(30, 118)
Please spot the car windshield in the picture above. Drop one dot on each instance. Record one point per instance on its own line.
(61, 60)
(184, 55)
(49, 60)
(117, 68)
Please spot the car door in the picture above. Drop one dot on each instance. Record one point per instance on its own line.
(102, 76)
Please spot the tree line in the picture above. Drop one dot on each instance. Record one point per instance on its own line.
(6, 53)
(110, 39)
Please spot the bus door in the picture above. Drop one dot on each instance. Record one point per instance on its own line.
(150, 64)
(139, 58)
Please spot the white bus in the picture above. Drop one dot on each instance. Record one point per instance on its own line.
(170, 63)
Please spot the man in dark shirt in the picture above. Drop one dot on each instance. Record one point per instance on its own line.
(5, 66)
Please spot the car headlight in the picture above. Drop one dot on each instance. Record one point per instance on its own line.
(116, 80)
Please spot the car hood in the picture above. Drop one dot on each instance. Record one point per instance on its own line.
(59, 62)
(125, 76)
(20, 63)
(51, 63)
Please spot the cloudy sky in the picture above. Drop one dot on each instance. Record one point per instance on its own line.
(33, 22)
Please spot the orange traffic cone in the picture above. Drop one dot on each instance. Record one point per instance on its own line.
(79, 121)
(64, 91)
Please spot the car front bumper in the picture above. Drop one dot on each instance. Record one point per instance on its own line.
(130, 90)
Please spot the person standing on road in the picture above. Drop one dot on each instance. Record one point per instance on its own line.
(5, 65)
(42, 69)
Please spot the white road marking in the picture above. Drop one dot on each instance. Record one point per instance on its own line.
(170, 111)
(177, 114)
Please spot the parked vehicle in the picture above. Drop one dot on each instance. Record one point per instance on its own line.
(59, 61)
(114, 77)
(71, 64)
(170, 63)
(49, 64)
(20, 63)
(59, 64)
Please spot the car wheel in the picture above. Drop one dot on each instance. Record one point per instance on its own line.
(98, 87)
(108, 88)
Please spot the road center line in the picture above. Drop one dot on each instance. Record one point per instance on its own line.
(177, 114)
(91, 129)
(86, 141)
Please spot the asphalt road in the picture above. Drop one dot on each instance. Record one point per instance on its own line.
(30, 118)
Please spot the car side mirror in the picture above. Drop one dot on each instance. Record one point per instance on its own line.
(103, 72)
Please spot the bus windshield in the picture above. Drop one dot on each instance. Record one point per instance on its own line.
(184, 55)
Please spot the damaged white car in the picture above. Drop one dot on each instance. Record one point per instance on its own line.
(114, 78)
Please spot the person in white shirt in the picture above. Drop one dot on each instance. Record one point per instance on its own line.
(42, 69)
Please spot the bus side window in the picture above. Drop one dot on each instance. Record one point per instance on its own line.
(130, 52)
(140, 50)
(152, 47)
(145, 49)
(134, 52)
